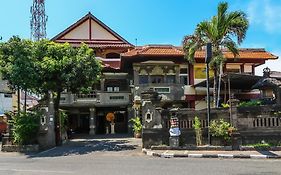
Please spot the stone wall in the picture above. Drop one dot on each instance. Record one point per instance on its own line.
(254, 123)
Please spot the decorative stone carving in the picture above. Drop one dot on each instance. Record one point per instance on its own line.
(148, 116)
(143, 72)
(171, 72)
(136, 69)
(157, 71)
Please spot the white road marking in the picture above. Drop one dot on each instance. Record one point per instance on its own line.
(38, 171)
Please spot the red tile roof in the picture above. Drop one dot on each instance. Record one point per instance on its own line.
(243, 53)
(99, 44)
(169, 50)
(155, 50)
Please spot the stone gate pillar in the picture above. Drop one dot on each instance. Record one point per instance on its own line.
(92, 121)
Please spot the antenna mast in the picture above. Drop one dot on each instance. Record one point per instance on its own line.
(38, 20)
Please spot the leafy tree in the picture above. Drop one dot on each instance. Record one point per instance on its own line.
(61, 67)
(17, 65)
(220, 31)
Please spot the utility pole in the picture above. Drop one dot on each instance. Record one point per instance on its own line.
(208, 57)
(38, 20)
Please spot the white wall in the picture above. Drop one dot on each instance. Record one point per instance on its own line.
(5, 103)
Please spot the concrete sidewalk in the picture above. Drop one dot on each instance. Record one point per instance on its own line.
(213, 154)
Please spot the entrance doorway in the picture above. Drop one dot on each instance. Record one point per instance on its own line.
(79, 123)
(121, 120)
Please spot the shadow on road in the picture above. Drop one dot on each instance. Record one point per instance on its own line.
(86, 146)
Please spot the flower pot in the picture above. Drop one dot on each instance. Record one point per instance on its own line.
(137, 135)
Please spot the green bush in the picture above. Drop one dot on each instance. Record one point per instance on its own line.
(198, 131)
(63, 120)
(225, 105)
(137, 126)
(25, 127)
(250, 103)
(264, 145)
(221, 129)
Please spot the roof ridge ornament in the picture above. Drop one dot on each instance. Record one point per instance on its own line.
(266, 72)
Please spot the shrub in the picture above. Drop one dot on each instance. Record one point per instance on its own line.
(198, 131)
(137, 126)
(221, 129)
(250, 103)
(63, 120)
(25, 127)
(225, 105)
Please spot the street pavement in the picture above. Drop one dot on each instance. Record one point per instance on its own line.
(123, 156)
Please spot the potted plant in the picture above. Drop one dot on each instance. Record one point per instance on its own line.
(137, 127)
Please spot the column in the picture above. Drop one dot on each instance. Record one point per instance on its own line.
(102, 84)
(92, 121)
(130, 114)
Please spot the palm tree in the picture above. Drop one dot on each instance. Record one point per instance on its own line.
(220, 31)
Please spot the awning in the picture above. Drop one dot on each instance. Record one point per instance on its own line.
(237, 81)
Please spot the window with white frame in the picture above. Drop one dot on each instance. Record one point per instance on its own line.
(184, 75)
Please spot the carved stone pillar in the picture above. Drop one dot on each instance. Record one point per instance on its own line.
(102, 84)
(92, 121)
(130, 115)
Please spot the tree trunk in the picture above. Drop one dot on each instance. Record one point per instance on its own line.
(219, 85)
(24, 107)
(215, 90)
(57, 118)
(18, 100)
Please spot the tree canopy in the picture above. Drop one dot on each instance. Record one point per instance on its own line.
(17, 64)
(220, 31)
(45, 66)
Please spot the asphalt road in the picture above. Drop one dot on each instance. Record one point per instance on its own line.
(110, 157)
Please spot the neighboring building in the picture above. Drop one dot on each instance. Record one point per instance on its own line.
(7, 98)
(128, 71)
(237, 79)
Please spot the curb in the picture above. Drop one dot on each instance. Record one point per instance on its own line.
(221, 156)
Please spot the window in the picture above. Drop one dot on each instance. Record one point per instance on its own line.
(113, 89)
(248, 69)
(8, 95)
(184, 75)
(109, 89)
(116, 97)
(183, 71)
(233, 70)
(112, 55)
(116, 89)
(162, 89)
(183, 80)
(143, 79)
(170, 79)
(157, 79)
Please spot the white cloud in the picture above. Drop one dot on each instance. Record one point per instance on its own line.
(266, 14)
(274, 65)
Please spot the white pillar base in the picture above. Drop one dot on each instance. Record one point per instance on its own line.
(112, 128)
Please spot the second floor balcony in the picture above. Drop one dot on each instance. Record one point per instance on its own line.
(96, 98)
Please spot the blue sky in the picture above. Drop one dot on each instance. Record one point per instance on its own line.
(150, 21)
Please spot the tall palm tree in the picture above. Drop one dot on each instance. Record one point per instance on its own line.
(220, 31)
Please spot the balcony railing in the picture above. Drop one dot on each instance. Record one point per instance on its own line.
(97, 98)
